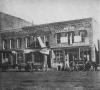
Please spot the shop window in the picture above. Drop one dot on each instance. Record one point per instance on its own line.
(20, 55)
(58, 56)
(4, 44)
(38, 57)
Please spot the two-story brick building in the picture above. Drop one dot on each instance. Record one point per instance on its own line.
(73, 40)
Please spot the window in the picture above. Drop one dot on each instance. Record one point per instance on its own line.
(12, 44)
(65, 37)
(58, 37)
(4, 44)
(27, 41)
(45, 40)
(19, 43)
(70, 37)
(35, 43)
(58, 56)
(83, 34)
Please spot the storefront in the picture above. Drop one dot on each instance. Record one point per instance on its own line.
(62, 55)
(7, 59)
(37, 57)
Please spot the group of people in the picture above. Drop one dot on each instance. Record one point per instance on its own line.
(80, 66)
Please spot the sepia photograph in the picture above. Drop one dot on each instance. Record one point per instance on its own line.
(49, 44)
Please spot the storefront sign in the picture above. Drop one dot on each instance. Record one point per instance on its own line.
(64, 39)
(77, 38)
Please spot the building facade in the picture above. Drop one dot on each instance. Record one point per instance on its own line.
(73, 40)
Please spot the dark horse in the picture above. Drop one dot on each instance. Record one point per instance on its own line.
(90, 66)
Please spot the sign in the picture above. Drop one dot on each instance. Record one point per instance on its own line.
(77, 38)
(28, 50)
(64, 39)
(41, 42)
(44, 51)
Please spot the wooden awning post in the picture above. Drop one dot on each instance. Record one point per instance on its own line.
(79, 53)
(2, 57)
(45, 62)
(24, 57)
(16, 57)
(33, 57)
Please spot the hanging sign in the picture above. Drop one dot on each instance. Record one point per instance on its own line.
(41, 42)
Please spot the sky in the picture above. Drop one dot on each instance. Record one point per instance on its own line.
(48, 11)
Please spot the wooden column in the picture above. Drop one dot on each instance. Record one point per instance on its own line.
(64, 63)
(10, 44)
(16, 58)
(45, 63)
(93, 54)
(17, 44)
(2, 57)
(24, 57)
(79, 54)
(33, 57)
(11, 57)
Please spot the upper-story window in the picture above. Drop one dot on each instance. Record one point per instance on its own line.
(65, 37)
(45, 40)
(35, 43)
(58, 37)
(83, 34)
(19, 43)
(12, 44)
(70, 37)
(4, 44)
(27, 42)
